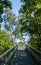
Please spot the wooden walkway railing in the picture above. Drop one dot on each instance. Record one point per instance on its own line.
(6, 57)
(34, 53)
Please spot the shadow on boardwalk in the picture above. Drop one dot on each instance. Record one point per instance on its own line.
(21, 58)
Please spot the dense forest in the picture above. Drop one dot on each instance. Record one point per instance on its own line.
(28, 21)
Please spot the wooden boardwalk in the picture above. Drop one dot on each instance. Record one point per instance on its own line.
(21, 58)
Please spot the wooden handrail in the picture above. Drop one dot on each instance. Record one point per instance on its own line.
(5, 53)
(6, 56)
(34, 49)
(35, 53)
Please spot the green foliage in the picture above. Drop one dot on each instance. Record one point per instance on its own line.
(4, 4)
(32, 24)
(5, 41)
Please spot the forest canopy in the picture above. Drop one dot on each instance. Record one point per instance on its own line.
(30, 20)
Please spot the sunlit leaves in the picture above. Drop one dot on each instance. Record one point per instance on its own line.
(5, 41)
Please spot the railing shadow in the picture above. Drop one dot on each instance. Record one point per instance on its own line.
(22, 58)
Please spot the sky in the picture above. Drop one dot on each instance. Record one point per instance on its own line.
(16, 4)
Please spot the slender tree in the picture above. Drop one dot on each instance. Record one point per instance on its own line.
(9, 21)
(12, 21)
